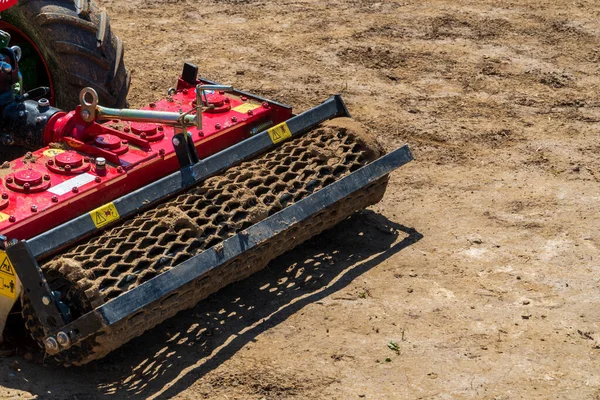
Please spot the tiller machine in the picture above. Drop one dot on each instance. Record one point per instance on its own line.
(119, 218)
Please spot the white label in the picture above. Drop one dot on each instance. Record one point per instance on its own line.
(69, 184)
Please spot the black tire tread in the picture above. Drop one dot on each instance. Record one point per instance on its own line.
(73, 51)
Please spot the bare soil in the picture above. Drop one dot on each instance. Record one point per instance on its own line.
(477, 276)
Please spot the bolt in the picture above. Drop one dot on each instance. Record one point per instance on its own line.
(161, 152)
(143, 135)
(200, 133)
(46, 300)
(39, 120)
(97, 179)
(55, 199)
(33, 208)
(244, 98)
(217, 126)
(67, 168)
(126, 129)
(21, 114)
(227, 100)
(46, 177)
(152, 105)
(221, 92)
(51, 345)
(43, 103)
(86, 159)
(160, 128)
(50, 162)
(250, 112)
(100, 162)
(26, 186)
(119, 169)
(233, 119)
(184, 91)
(175, 142)
(85, 114)
(12, 218)
(63, 339)
(9, 179)
(4, 196)
(124, 141)
(75, 189)
(265, 104)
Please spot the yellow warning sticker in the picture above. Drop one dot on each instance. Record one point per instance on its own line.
(52, 152)
(280, 132)
(104, 215)
(244, 108)
(8, 277)
(3, 217)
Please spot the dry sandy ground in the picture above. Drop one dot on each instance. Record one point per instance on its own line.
(481, 265)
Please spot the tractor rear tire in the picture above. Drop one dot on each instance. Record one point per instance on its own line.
(78, 46)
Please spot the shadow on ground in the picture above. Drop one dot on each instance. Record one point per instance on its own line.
(183, 349)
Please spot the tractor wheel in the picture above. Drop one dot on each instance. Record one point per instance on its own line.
(68, 45)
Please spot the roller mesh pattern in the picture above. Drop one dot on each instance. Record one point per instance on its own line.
(156, 240)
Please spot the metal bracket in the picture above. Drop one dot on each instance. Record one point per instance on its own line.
(184, 148)
(44, 302)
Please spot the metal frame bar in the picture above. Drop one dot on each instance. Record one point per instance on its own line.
(250, 95)
(162, 285)
(61, 236)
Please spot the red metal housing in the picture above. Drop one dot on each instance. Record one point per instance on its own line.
(61, 181)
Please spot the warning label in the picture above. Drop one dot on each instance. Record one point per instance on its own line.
(3, 217)
(52, 152)
(104, 215)
(280, 132)
(8, 277)
(244, 108)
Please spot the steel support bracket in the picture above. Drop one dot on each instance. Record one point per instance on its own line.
(43, 300)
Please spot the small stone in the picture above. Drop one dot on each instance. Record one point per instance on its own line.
(409, 290)
(526, 302)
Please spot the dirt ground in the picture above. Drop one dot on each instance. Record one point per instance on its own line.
(476, 277)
